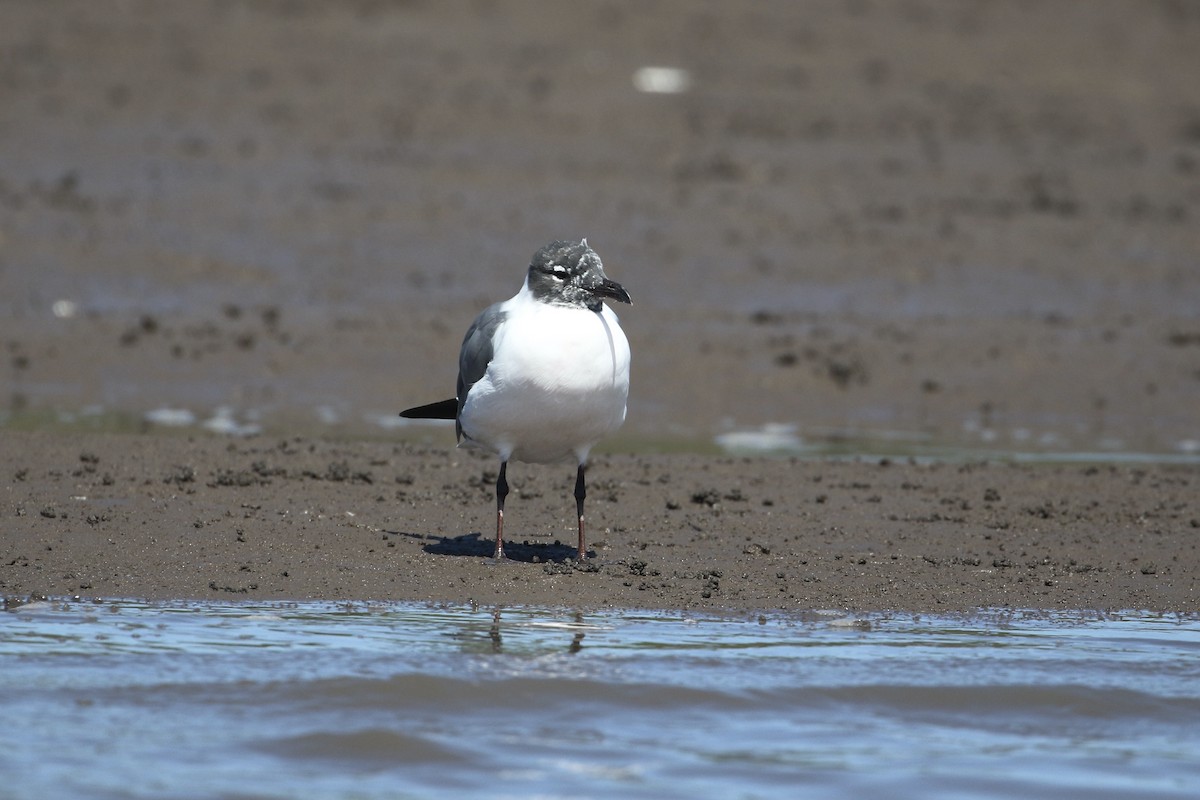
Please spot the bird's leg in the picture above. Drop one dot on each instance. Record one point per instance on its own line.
(580, 494)
(501, 493)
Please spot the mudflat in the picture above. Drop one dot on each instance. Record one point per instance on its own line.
(907, 227)
(970, 225)
(206, 517)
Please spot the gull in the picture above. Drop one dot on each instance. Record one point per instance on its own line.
(544, 375)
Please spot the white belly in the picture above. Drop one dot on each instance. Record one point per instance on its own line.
(557, 383)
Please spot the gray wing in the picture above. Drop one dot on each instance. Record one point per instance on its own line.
(476, 354)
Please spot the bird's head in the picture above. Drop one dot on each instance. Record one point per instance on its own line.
(570, 274)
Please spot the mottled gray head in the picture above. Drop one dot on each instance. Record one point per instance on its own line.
(570, 274)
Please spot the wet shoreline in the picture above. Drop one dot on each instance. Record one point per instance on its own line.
(209, 517)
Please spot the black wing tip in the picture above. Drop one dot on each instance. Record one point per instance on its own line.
(443, 409)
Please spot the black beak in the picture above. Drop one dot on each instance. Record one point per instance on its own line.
(612, 290)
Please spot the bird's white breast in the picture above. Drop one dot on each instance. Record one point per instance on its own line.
(557, 383)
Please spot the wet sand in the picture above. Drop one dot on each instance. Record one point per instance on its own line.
(963, 224)
(870, 226)
(206, 517)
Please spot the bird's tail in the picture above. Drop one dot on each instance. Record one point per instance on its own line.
(443, 409)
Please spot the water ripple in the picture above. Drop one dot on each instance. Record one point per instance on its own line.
(379, 700)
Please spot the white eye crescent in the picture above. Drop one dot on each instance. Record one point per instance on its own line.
(560, 271)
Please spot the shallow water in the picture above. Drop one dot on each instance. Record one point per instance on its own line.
(121, 699)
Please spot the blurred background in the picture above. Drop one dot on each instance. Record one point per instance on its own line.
(905, 227)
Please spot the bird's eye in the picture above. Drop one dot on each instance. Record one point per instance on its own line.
(559, 271)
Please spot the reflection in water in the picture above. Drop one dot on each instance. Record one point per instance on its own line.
(497, 639)
(577, 640)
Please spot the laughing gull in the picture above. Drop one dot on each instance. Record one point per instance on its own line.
(543, 376)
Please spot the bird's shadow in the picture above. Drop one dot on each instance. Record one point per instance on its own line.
(478, 546)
